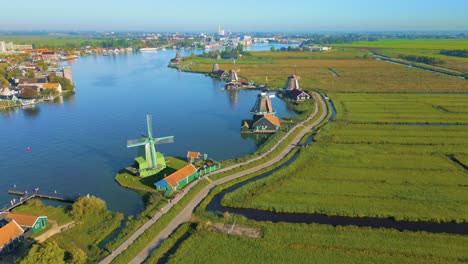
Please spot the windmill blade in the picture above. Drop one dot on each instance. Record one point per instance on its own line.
(149, 123)
(164, 140)
(153, 156)
(136, 142)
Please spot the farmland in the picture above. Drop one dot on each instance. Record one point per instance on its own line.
(419, 47)
(385, 155)
(357, 71)
(301, 243)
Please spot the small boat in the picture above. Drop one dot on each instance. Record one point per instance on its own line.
(148, 49)
(71, 57)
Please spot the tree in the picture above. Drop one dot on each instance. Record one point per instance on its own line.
(49, 92)
(29, 93)
(64, 82)
(49, 252)
(30, 74)
(87, 205)
(272, 49)
(76, 256)
(42, 66)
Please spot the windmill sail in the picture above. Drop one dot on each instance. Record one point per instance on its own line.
(150, 125)
(165, 140)
(136, 142)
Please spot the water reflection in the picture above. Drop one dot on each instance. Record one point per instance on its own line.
(233, 98)
(31, 112)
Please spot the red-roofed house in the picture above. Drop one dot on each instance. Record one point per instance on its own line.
(11, 234)
(36, 223)
(178, 179)
(192, 156)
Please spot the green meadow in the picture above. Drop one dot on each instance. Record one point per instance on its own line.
(384, 155)
(301, 243)
(358, 72)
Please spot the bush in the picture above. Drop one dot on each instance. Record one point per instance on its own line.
(87, 205)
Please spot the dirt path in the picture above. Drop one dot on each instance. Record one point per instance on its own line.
(54, 230)
(186, 213)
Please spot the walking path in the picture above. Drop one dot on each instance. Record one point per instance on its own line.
(186, 213)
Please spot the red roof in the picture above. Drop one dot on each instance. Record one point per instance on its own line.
(9, 232)
(23, 219)
(193, 154)
(179, 175)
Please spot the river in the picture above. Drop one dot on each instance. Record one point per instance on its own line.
(78, 144)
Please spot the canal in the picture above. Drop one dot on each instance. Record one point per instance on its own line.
(78, 144)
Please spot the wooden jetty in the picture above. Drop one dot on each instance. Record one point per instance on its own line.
(25, 196)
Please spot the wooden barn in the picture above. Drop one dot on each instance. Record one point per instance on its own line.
(178, 179)
(298, 95)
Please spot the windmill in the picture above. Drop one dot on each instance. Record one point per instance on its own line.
(149, 160)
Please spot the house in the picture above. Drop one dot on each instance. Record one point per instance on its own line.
(192, 156)
(49, 56)
(178, 179)
(298, 95)
(265, 124)
(56, 86)
(11, 235)
(35, 223)
(23, 81)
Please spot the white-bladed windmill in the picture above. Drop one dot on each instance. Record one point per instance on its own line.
(149, 160)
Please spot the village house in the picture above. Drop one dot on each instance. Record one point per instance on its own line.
(24, 81)
(293, 91)
(29, 223)
(49, 56)
(11, 235)
(55, 86)
(193, 156)
(178, 179)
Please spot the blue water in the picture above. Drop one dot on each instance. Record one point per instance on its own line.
(78, 144)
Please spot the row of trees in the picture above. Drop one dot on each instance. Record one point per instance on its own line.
(463, 53)
(421, 59)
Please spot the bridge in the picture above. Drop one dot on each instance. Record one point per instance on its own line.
(24, 196)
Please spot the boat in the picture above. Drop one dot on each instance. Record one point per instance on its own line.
(27, 102)
(71, 57)
(148, 49)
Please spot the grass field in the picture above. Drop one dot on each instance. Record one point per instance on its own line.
(87, 233)
(419, 47)
(356, 73)
(362, 166)
(300, 243)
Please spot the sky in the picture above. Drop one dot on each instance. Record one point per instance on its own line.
(235, 16)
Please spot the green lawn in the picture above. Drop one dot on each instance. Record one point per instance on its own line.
(36, 207)
(363, 166)
(301, 243)
(125, 179)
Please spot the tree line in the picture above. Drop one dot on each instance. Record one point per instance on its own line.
(463, 53)
(421, 59)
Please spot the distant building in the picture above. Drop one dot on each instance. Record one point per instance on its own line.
(49, 56)
(298, 95)
(67, 73)
(246, 41)
(9, 46)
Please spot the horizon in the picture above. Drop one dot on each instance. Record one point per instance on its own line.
(296, 16)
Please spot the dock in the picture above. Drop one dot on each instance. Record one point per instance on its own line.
(25, 196)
